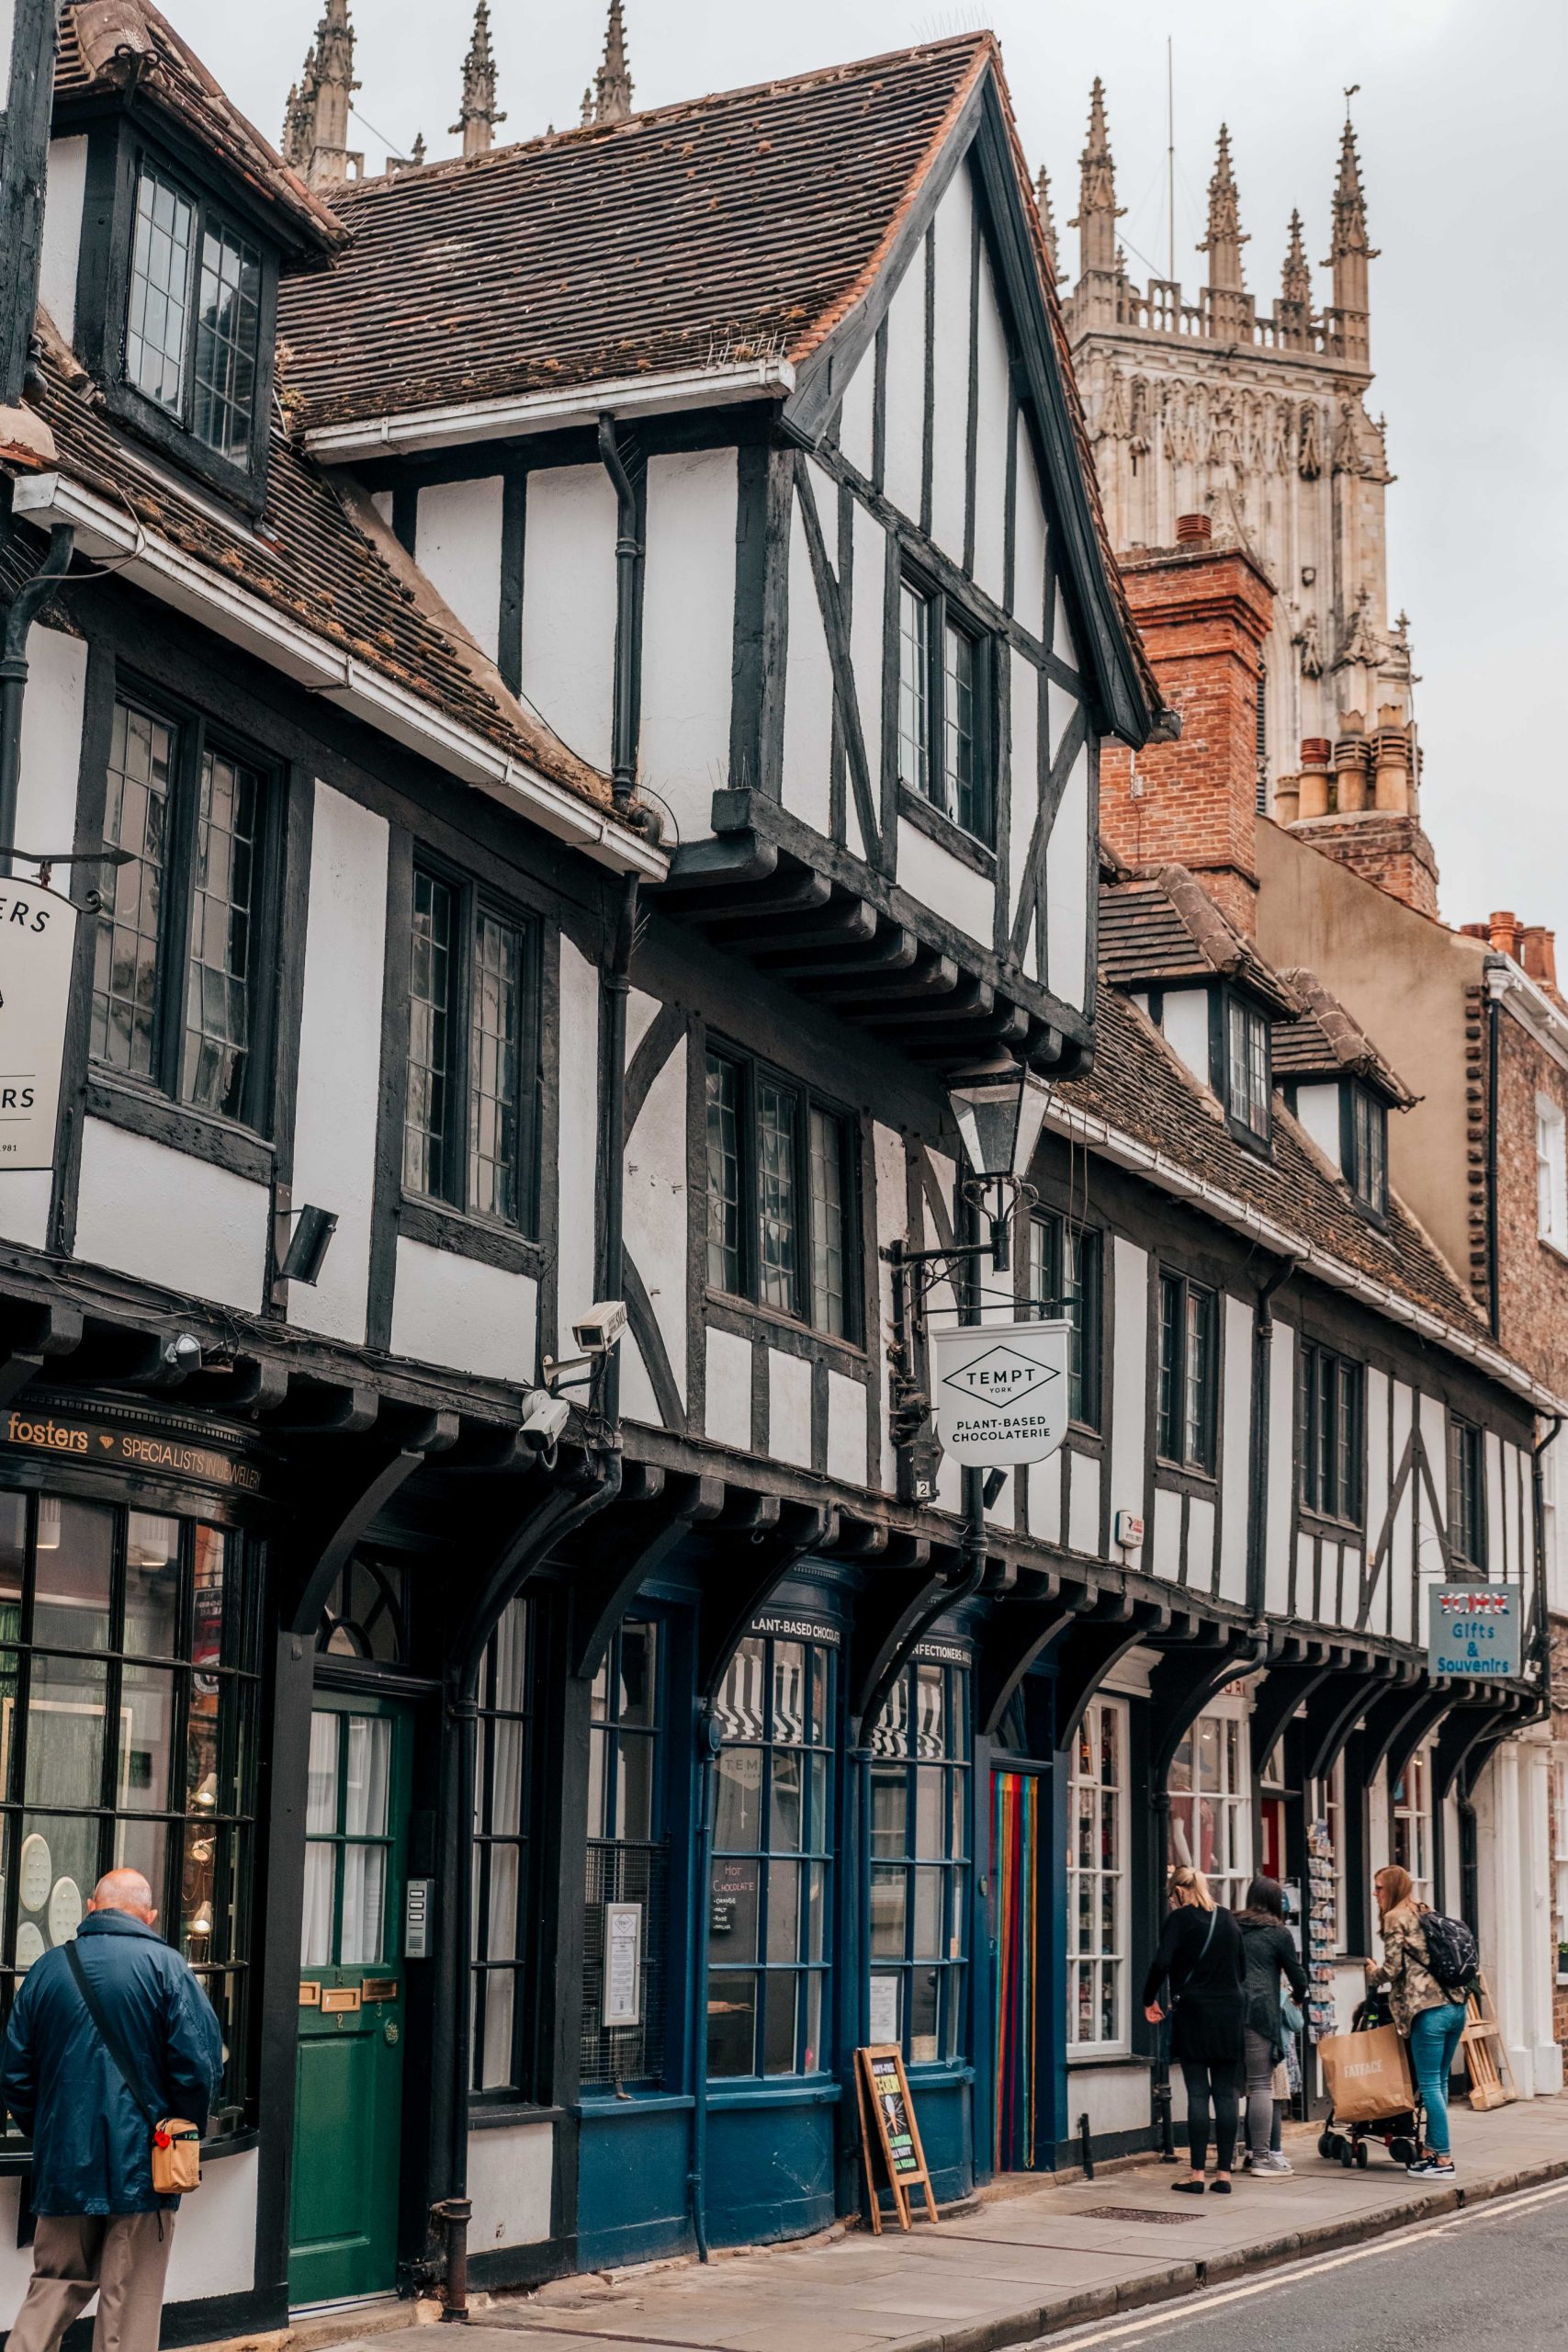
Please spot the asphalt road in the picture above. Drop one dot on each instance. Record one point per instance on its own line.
(1494, 2280)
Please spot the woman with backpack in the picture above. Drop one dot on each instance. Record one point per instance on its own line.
(1199, 1957)
(1428, 2014)
(1269, 1954)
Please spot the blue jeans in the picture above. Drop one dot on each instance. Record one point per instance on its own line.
(1434, 2038)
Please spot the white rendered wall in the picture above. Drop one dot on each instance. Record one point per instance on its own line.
(728, 1419)
(904, 409)
(789, 1408)
(992, 403)
(577, 1158)
(857, 416)
(953, 240)
(1129, 1362)
(46, 819)
(1184, 1021)
(688, 633)
(214, 2251)
(1065, 947)
(1023, 793)
(457, 1311)
(1317, 1109)
(938, 880)
(1238, 1449)
(808, 687)
(157, 1213)
(569, 604)
(1116, 2098)
(64, 193)
(1281, 1471)
(1028, 538)
(656, 1227)
(847, 1416)
(868, 593)
(510, 2173)
(340, 1055)
(458, 548)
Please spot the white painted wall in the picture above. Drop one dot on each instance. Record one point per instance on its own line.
(1166, 1533)
(1116, 2098)
(789, 1408)
(990, 439)
(1185, 1024)
(729, 1418)
(46, 819)
(510, 2172)
(1061, 635)
(934, 876)
(452, 1310)
(1236, 1455)
(214, 2251)
(152, 1211)
(64, 194)
(856, 419)
(1028, 538)
(1281, 1471)
(1317, 1109)
(569, 604)
(1023, 798)
(1083, 1504)
(1129, 1368)
(848, 1407)
(656, 1206)
(1200, 1542)
(688, 632)
(458, 548)
(953, 231)
(868, 596)
(340, 1055)
(1064, 948)
(578, 1133)
(905, 414)
(809, 686)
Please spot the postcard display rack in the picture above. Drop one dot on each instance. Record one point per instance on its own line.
(1323, 1931)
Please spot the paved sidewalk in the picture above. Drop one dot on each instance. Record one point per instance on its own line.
(1019, 2265)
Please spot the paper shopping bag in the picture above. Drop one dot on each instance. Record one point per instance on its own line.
(1367, 2076)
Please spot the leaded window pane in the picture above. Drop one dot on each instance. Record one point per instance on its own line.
(125, 973)
(495, 1069)
(828, 1283)
(427, 1124)
(777, 1205)
(217, 981)
(965, 795)
(501, 2009)
(725, 1267)
(914, 690)
(228, 322)
(158, 322)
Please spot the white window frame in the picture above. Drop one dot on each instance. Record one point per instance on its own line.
(1558, 1858)
(1230, 1800)
(1095, 1956)
(1552, 1172)
(1417, 1813)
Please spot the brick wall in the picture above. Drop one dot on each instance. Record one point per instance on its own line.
(1204, 612)
(1389, 849)
(1532, 1277)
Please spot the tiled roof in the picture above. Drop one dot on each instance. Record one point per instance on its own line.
(310, 560)
(728, 228)
(1158, 928)
(107, 45)
(1137, 1087)
(1327, 1043)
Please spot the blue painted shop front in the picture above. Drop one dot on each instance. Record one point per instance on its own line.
(797, 1899)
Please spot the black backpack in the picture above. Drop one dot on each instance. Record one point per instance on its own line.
(1453, 1954)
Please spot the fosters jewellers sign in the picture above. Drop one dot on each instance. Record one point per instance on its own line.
(999, 1391)
(38, 934)
(1474, 1629)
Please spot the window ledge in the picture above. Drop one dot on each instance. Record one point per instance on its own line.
(814, 2090)
(1119, 2057)
(120, 1103)
(926, 818)
(606, 2106)
(1179, 1481)
(440, 1227)
(1558, 1248)
(771, 1322)
(496, 2119)
(1333, 1531)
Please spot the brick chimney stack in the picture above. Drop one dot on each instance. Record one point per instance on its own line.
(1204, 608)
(1357, 800)
(1531, 944)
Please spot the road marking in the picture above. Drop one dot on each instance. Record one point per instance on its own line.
(1131, 2331)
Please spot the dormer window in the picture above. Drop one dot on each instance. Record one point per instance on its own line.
(192, 319)
(1244, 1075)
(1366, 1148)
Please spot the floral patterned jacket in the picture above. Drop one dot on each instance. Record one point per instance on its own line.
(1411, 1984)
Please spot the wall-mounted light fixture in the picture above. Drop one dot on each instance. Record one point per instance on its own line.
(313, 1230)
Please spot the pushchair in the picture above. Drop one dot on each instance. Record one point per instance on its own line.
(1401, 2135)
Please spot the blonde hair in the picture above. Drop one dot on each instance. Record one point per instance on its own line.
(1397, 1896)
(1189, 1887)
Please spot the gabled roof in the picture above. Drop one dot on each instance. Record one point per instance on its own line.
(1137, 1087)
(1328, 1043)
(1158, 929)
(753, 230)
(318, 558)
(124, 47)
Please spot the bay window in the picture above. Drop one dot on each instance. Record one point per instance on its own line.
(920, 1863)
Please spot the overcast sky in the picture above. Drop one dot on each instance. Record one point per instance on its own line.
(1460, 117)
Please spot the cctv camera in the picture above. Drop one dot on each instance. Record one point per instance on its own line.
(546, 1418)
(602, 1326)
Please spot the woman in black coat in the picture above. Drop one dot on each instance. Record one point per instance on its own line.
(1199, 1957)
(1269, 1954)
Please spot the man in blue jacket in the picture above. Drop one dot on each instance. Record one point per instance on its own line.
(102, 2228)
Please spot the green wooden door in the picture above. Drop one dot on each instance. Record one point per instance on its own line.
(347, 2129)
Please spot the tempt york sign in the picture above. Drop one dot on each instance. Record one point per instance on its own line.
(38, 938)
(999, 1391)
(1476, 1629)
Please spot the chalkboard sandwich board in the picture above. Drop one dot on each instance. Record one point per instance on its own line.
(887, 2111)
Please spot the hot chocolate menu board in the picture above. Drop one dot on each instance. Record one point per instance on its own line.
(887, 2121)
(1323, 1932)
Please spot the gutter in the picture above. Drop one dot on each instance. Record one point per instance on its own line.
(514, 414)
(1140, 1159)
(108, 532)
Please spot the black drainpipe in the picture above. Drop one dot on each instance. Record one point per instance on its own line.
(628, 581)
(1263, 1391)
(19, 615)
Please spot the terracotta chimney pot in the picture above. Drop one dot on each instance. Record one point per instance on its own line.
(1193, 530)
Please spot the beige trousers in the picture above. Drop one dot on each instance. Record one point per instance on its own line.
(119, 2257)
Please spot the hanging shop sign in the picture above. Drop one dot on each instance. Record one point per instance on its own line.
(1474, 1629)
(999, 1391)
(37, 944)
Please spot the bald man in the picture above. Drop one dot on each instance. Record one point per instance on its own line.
(88, 2111)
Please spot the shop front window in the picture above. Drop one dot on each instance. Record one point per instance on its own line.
(769, 1885)
(502, 2015)
(1410, 1841)
(1097, 1879)
(127, 1703)
(919, 1864)
(1211, 1825)
(628, 1867)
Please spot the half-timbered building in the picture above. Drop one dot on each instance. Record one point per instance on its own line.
(582, 770)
